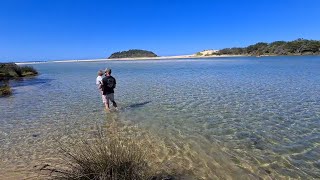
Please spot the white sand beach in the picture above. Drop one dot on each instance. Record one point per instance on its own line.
(176, 57)
(131, 59)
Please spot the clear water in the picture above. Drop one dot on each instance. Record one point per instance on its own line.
(227, 118)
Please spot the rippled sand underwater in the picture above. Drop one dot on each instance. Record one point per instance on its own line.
(225, 118)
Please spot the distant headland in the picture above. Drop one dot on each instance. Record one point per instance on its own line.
(277, 48)
(133, 53)
(299, 47)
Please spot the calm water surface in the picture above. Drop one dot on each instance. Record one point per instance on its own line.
(226, 118)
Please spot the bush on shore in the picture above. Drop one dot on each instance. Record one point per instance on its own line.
(28, 71)
(5, 90)
(12, 71)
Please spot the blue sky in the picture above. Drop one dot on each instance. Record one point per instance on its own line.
(33, 30)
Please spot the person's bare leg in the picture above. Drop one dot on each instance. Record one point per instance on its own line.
(107, 105)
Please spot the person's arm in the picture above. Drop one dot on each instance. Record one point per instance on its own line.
(115, 82)
(97, 81)
(100, 85)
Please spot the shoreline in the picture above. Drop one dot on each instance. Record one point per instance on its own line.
(131, 59)
(174, 57)
(147, 58)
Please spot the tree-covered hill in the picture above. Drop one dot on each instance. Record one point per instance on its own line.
(133, 53)
(296, 47)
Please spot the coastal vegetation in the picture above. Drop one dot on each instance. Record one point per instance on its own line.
(296, 47)
(105, 159)
(133, 53)
(110, 155)
(5, 90)
(10, 71)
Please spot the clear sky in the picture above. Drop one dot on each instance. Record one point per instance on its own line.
(33, 30)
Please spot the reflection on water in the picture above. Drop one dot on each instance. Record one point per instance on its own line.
(239, 118)
(29, 81)
(138, 105)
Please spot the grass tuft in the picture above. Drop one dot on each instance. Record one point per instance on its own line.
(117, 151)
(105, 159)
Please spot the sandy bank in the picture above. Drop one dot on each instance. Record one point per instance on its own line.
(130, 59)
(175, 57)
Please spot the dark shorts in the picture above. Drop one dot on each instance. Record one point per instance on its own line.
(109, 97)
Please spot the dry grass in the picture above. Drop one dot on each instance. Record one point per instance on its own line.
(104, 158)
(109, 156)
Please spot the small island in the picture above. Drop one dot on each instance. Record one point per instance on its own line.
(9, 71)
(277, 48)
(133, 53)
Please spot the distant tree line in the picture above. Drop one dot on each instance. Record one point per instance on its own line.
(133, 53)
(296, 47)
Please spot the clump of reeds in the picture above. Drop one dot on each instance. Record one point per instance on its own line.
(104, 159)
(115, 152)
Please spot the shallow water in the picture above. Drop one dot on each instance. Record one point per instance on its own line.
(222, 118)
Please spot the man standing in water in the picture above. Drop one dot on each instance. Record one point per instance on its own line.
(108, 85)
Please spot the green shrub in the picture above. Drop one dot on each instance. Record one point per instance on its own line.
(13, 71)
(28, 70)
(5, 90)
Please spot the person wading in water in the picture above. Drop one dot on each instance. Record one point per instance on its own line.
(108, 85)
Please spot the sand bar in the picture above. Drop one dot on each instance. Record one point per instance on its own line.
(130, 59)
